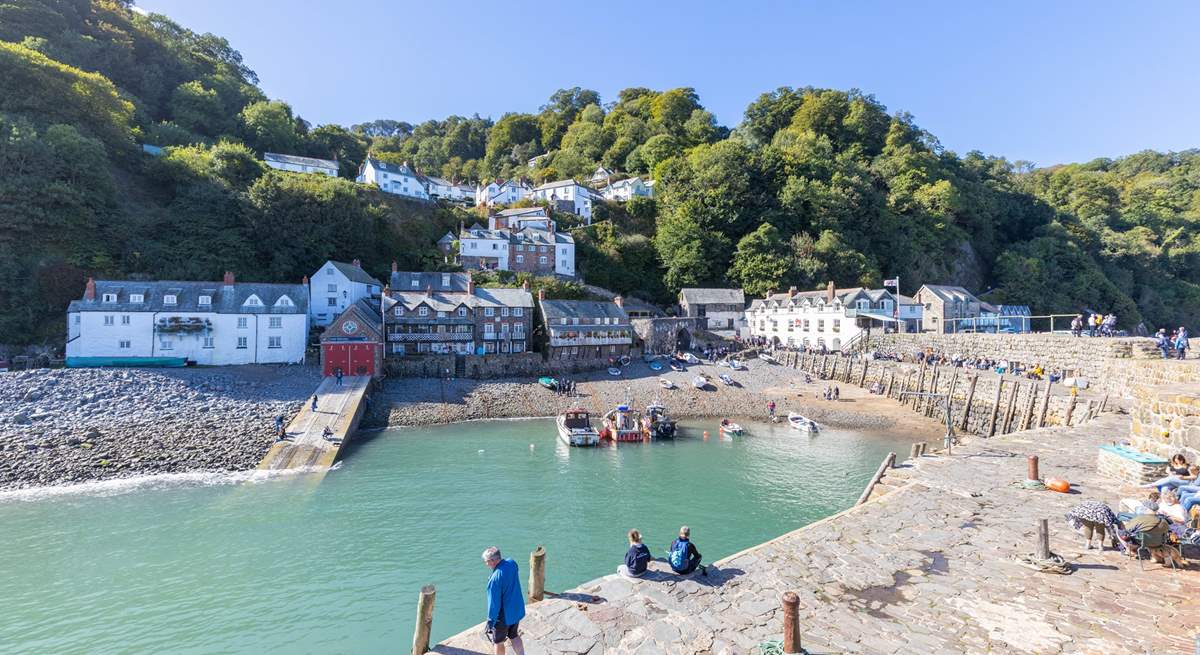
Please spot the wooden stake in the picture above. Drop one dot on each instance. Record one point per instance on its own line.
(1045, 405)
(967, 406)
(420, 644)
(995, 407)
(862, 381)
(1033, 468)
(791, 622)
(537, 574)
(1012, 407)
(1070, 409)
(1027, 418)
(1043, 545)
(914, 452)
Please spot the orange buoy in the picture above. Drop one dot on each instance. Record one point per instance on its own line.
(706, 434)
(1058, 484)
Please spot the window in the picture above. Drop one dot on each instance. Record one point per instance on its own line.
(274, 342)
(242, 322)
(542, 249)
(415, 283)
(489, 311)
(241, 343)
(504, 311)
(489, 328)
(208, 342)
(110, 297)
(275, 322)
(169, 299)
(542, 259)
(399, 311)
(441, 314)
(329, 271)
(495, 246)
(204, 300)
(837, 325)
(77, 319)
(331, 288)
(518, 346)
(821, 325)
(252, 301)
(108, 320)
(123, 344)
(520, 259)
(518, 311)
(332, 302)
(462, 311)
(520, 248)
(445, 279)
(424, 311)
(124, 319)
(166, 345)
(137, 297)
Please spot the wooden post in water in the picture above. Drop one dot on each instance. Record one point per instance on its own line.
(1045, 405)
(420, 644)
(833, 371)
(537, 574)
(915, 451)
(1043, 545)
(791, 622)
(995, 407)
(966, 415)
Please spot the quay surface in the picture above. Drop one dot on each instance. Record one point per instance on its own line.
(927, 568)
(339, 408)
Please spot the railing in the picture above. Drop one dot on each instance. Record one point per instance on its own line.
(1042, 324)
(430, 336)
(582, 341)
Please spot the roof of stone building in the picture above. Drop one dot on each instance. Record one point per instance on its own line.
(554, 309)
(398, 169)
(950, 293)
(300, 161)
(421, 281)
(449, 301)
(521, 211)
(694, 296)
(226, 299)
(355, 273)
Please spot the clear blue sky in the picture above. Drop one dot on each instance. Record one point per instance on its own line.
(1046, 81)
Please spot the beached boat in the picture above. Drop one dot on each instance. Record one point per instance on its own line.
(656, 366)
(614, 371)
(691, 359)
(665, 383)
(731, 429)
(700, 382)
(736, 365)
(728, 381)
(766, 358)
(802, 423)
(548, 382)
(575, 428)
(625, 360)
(622, 424)
(676, 366)
(656, 424)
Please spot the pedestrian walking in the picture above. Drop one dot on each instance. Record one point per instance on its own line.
(771, 408)
(1181, 343)
(337, 376)
(314, 402)
(1077, 325)
(279, 425)
(505, 603)
(1163, 342)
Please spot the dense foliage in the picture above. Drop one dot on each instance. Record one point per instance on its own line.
(813, 185)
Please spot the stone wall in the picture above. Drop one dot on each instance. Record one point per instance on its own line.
(486, 367)
(659, 335)
(1166, 420)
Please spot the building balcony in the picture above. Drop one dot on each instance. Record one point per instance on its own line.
(586, 341)
(430, 336)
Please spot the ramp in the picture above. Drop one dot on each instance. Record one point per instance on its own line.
(339, 408)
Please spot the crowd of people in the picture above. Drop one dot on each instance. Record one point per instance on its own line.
(1095, 324)
(1177, 340)
(1035, 371)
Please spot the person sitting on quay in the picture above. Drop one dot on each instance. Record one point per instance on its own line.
(1178, 474)
(505, 602)
(1169, 507)
(636, 558)
(683, 556)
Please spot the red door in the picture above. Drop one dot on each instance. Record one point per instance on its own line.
(361, 360)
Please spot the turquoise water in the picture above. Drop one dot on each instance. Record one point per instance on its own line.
(235, 563)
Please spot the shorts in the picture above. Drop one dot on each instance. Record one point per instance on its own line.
(501, 632)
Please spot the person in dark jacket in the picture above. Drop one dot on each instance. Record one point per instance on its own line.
(683, 556)
(506, 604)
(636, 558)
(1163, 342)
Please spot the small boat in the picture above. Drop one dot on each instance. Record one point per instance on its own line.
(802, 423)
(622, 424)
(736, 365)
(624, 360)
(656, 366)
(676, 366)
(614, 371)
(726, 379)
(548, 382)
(575, 428)
(665, 383)
(700, 382)
(691, 359)
(729, 428)
(656, 424)
(766, 358)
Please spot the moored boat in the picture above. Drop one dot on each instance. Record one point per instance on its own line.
(656, 424)
(548, 382)
(690, 358)
(614, 371)
(575, 428)
(677, 367)
(731, 429)
(656, 366)
(665, 383)
(726, 380)
(802, 423)
(700, 382)
(766, 358)
(735, 365)
(622, 424)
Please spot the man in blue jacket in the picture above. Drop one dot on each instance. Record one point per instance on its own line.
(506, 603)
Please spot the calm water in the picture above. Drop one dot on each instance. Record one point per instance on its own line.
(234, 564)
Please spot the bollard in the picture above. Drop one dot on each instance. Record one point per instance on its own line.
(1033, 468)
(921, 449)
(1043, 545)
(424, 620)
(791, 622)
(915, 451)
(537, 574)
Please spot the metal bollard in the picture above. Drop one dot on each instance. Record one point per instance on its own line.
(420, 644)
(1033, 468)
(791, 622)
(537, 574)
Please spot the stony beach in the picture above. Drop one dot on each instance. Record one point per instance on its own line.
(68, 426)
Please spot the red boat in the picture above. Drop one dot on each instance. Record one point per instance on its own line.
(622, 424)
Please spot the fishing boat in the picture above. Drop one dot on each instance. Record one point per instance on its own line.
(731, 429)
(614, 371)
(677, 367)
(575, 428)
(656, 424)
(700, 382)
(656, 366)
(665, 383)
(728, 381)
(802, 423)
(622, 424)
(766, 358)
(548, 382)
(736, 365)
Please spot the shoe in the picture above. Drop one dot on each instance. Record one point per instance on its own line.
(1087, 545)
(704, 571)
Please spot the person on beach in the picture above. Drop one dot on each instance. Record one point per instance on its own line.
(836, 394)
(506, 603)
(636, 558)
(337, 376)
(771, 408)
(279, 425)
(683, 556)
(314, 402)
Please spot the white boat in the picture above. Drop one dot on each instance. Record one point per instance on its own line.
(614, 371)
(802, 423)
(699, 382)
(575, 428)
(691, 359)
(726, 379)
(766, 358)
(665, 383)
(735, 365)
(731, 429)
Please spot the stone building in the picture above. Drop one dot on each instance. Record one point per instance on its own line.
(947, 309)
(831, 318)
(724, 309)
(447, 313)
(585, 329)
(525, 240)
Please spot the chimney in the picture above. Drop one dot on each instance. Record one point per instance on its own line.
(525, 285)
(619, 301)
(791, 291)
(229, 280)
(395, 266)
(429, 291)
(357, 263)
(767, 294)
(829, 293)
(89, 292)
(470, 283)
(541, 294)
(304, 281)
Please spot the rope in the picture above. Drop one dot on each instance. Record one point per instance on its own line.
(770, 648)
(1033, 485)
(1053, 564)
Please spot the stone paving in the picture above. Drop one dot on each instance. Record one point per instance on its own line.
(927, 568)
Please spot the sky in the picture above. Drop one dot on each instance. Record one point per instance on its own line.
(1047, 82)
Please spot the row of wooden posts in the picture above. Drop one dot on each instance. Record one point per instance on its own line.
(537, 592)
(1002, 418)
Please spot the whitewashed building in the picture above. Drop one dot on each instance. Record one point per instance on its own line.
(833, 318)
(567, 196)
(600, 176)
(209, 323)
(724, 309)
(501, 193)
(399, 179)
(443, 189)
(336, 286)
(296, 164)
(623, 190)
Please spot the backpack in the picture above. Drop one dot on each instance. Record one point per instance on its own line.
(679, 554)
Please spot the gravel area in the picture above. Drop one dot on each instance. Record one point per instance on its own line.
(68, 426)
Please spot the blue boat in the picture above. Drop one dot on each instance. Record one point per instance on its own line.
(128, 362)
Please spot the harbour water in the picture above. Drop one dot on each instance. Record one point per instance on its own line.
(239, 563)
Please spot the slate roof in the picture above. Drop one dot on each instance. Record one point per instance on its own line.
(446, 302)
(951, 293)
(521, 211)
(713, 296)
(355, 273)
(398, 169)
(559, 184)
(448, 238)
(367, 312)
(297, 160)
(225, 300)
(553, 310)
(403, 281)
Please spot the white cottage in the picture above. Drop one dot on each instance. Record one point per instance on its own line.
(832, 319)
(501, 193)
(209, 323)
(393, 178)
(295, 164)
(567, 196)
(335, 287)
(623, 190)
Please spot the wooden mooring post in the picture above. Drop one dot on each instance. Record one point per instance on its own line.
(1045, 405)
(1043, 544)
(933, 381)
(420, 644)
(1070, 408)
(1027, 419)
(1033, 468)
(791, 622)
(995, 407)
(915, 451)
(966, 414)
(537, 574)
(862, 380)
(1011, 410)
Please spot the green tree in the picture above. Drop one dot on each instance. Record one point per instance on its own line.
(269, 126)
(760, 263)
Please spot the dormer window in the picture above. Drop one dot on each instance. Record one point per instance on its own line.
(415, 283)
(169, 299)
(110, 297)
(252, 301)
(204, 300)
(283, 301)
(424, 311)
(445, 280)
(137, 298)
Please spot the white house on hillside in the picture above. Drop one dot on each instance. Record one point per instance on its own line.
(501, 193)
(209, 323)
(337, 285)
(301, 164)
(600, 176)
(832, 318)
(623, 190)
(567, 196)
(442, 189)
(393, 178)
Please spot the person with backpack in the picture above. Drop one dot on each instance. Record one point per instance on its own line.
(636, 558)
(1181, 342)
(505, 603)
(1163, 342)
(683, 556)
